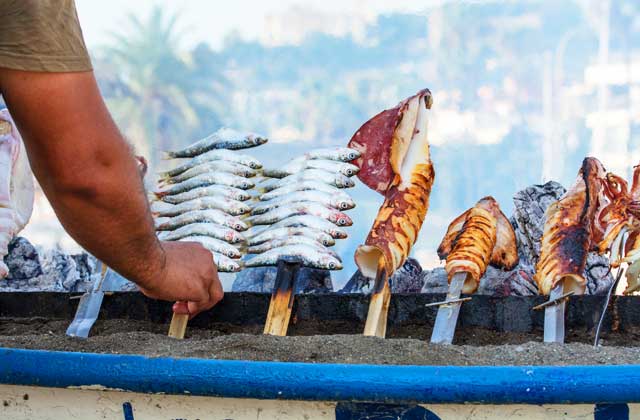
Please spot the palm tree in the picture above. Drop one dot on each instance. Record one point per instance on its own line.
(158, 95)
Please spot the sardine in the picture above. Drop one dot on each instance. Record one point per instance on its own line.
(210, 191)
(212, 230)
(223, 263)
(232, 207)
(312, 222)
(214, 156)
(343, 154)
(224, 138)
(299, 186)
(288, 232)
(201, 216)
(292, 240)
(334, 179)
(309, 255)
(296, 166)
(206, 180)
(215, 245)
(340, 201)
(207, 168)
(300, 208)
(159, 221)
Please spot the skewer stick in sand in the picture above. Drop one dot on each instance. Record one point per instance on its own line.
(282, 297)
(178, 326)
(447, 317)
(376, 325)
(554, 316)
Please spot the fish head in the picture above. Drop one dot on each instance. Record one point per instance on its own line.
(327, 241)
(246, 184)
(329, 262)
(257, 139)
(349, 170)
(351, 154)
(345, 183)
(341, 219)
(343, 203)
(338, 233)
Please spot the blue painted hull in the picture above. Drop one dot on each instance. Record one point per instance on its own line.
(324, 382)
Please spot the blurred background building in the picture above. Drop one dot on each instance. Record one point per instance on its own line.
(523, 90)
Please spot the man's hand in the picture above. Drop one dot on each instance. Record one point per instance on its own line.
(189, 276)
(90, 176)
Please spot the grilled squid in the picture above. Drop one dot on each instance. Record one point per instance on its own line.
(569, 232)
(395, 161)
(480, 236)
(618, 224)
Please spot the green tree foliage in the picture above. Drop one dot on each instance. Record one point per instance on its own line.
(160, 96)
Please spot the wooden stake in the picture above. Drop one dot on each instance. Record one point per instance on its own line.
(178, 326)
(282, 297)
(376, 325)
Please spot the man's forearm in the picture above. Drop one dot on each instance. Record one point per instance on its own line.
(85, 167)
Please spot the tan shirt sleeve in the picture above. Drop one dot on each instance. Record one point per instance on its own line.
(42, 35)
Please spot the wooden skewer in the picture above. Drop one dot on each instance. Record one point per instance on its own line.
(178, 326)
(376, 325)
(448, 302)
(555, 301)
(282, 297)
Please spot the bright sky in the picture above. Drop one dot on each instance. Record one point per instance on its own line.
(211, 20)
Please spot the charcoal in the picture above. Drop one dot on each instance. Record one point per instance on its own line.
(23, 260)
(407, 279)
(262, 280)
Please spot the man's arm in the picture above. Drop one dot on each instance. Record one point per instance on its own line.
(89, 175)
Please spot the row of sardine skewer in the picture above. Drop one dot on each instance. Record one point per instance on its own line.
(300, 212)
(205, 198)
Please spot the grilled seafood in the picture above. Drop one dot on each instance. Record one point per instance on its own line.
(224, 138)
(568, 232)
(395, 161)
(480, 236)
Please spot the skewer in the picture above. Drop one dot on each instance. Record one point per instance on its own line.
(554, 316)
(282, 297)
(178, 326)
(376, 324)
(606, 305)
(90, 302)
(448, 302)
(554, 301)
(447, 317)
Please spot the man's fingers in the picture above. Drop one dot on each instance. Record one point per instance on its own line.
(181, 308)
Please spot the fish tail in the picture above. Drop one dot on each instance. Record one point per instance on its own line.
(159, 194)
(168, 155)
(152, 196)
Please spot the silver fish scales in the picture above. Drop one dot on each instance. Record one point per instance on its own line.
(312, 222)
(301, 208)
(339, 201)
(232, 207)
(210, 167)
(209, 191)
(213, 156)
(310, 256)
(287, 232)
(224, 138)
(330, 178)
(212, 230)
(306, 185)
(206, 180)
(201, 216)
